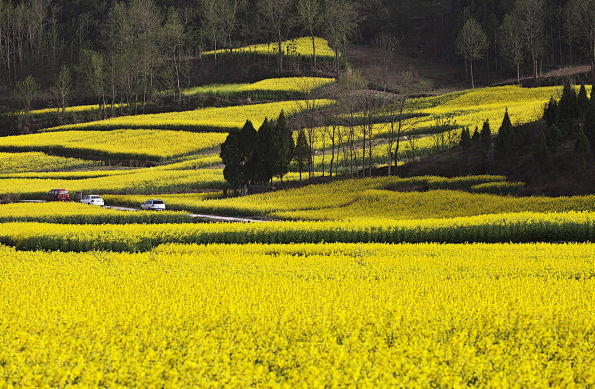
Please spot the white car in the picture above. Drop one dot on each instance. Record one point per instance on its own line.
(93, 200)
(154, 205)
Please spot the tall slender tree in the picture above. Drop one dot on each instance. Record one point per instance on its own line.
(472, 43)
(309, 17)
(530, 14)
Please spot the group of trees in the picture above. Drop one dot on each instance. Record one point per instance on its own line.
(527, 33)
(127, 51)
(572, 118)
(254, 157)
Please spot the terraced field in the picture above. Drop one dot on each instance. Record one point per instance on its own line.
(375, 282)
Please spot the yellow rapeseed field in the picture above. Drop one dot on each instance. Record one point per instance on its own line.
(327, 315)
(290, 84)
(293, 47)
(117, 144)
(206, 119)
(11, 163)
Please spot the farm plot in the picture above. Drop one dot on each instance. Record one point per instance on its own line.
(146, 145)
(11, 163)
(523, 227)
(200, 120)
(273, 88)
(352, 200)
(298, 47)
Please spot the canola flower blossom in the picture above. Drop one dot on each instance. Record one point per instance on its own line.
(11, 163)
(205, 119)
(152, 145)
(293, 47)
(369, 315)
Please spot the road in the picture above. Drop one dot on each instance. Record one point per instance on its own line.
(213, 218)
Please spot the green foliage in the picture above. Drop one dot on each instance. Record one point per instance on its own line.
(26, 91)
(476, 138)
(256, 157)
(567, 107)
(551, 112)
(486, 133)
(553, 137)
(302, 151)
(582, 102)
(541, 151)
(505, 142)
(237, 154)
(465, 139)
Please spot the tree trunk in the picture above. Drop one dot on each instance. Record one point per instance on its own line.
(280, 51)
(472, 79)
(518, 73)
(313, 47)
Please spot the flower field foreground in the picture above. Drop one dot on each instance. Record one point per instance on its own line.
(200, 120)
(524, 227)
(334, 315)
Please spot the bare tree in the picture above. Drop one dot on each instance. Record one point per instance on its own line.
(398, 123)
(173, 36)
(472, 43)
(275, 12)
(62, 88)
(340, 21)
(511, 41)
(309, 17)
(211, 20)
(387, 45)
(530, 14)
(583, 16)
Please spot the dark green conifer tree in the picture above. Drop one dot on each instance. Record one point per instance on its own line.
(302, 151)
(476, 138)
(486, 133)
(567, 109)
(550, 113)
(582, 102)
(505, 142)
(465, 139)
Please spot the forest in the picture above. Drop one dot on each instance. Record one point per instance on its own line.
(98, 51)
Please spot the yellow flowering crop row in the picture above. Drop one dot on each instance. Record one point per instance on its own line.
(273, 88)
(511, 227)
(77, 108)
(206, 119)
(438, 204)
(141, 181)
(77, 213)
(34, 162)
(289, 84)
(293, 47)
(473, 107)
(154, 145)
(331, 315)
(326, 196)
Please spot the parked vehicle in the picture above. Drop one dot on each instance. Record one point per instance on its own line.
(93, 200)
(58, 195)
(153, 205)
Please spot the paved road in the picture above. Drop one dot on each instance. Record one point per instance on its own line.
(214, 218)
